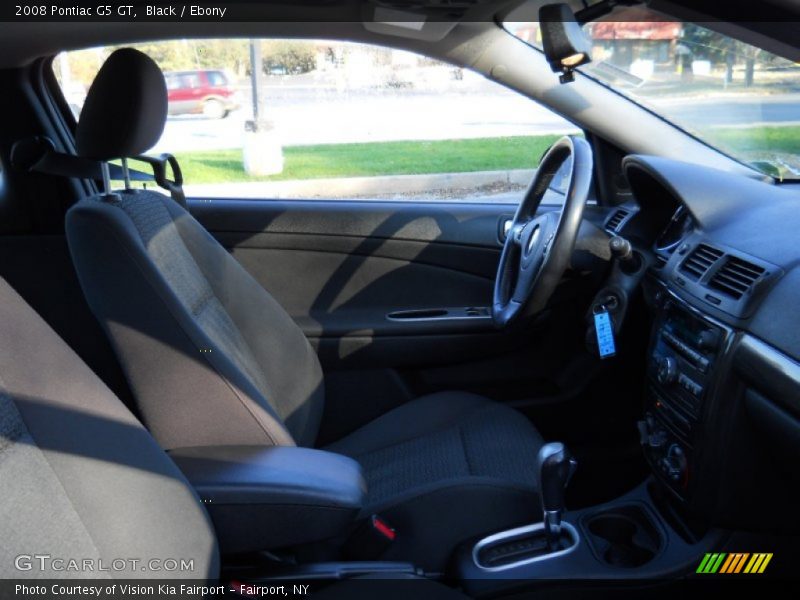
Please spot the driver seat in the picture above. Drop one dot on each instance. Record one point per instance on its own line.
(213, 359)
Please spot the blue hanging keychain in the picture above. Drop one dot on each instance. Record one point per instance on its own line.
(604, 330)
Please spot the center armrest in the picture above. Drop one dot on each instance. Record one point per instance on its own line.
(268, 497)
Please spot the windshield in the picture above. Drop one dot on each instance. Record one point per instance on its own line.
(735, 97)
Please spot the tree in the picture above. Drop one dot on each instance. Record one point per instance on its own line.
(289, 55)
(84, 64)
(184, 55)
(719, 48)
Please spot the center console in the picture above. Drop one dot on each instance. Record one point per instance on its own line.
(651, 532)
(625, 539)
(684, 351)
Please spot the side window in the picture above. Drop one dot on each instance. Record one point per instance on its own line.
(339, 120)
(173, 81)
(189, 80)
(216, 79)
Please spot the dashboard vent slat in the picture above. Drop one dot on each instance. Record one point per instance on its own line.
(700, 261)
(616, 220)
(736, 277)
(744, 270)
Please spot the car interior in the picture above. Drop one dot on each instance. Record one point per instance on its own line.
(597, 384)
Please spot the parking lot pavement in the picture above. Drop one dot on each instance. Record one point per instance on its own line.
(324, 118)
(371, 118)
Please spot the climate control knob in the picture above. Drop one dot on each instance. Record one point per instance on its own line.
(708, 340)
(675, 464)
(667, 370)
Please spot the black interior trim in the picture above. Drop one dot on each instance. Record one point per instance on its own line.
(769, 370)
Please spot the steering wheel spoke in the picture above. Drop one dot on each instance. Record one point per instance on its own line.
(515, 233)
(525, 282)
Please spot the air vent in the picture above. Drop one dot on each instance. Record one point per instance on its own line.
(661, 261)
(700, 260)
(736, 277)
(616, 220)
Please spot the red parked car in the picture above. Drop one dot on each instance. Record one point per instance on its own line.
(207, 92)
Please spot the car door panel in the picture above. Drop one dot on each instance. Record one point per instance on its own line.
(341, 267)
(345, 269)
(350, 291)
(454, 222)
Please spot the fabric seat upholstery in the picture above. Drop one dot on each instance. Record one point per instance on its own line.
(82, 479)
(445, 439)
(213, 359)
(444, 460)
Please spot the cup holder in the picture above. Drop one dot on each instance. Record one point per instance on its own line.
(623, 537)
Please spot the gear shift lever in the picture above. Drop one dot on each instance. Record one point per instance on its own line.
(556, 467)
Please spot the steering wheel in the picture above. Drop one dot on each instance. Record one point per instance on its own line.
(538, 249)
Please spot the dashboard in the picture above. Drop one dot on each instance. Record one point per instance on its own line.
(724, 243)
(723, 365)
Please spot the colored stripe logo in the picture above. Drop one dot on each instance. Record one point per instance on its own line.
(735, 562)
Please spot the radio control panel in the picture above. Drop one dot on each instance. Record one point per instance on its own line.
(683, 351)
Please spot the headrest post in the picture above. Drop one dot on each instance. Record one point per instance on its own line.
(126, 174)
(106, 178)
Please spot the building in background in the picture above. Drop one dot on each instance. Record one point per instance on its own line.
(624, 44)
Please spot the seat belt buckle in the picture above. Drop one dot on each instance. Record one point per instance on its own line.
(370, 539)
(383, 528)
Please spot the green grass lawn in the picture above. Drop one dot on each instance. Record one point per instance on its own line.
(377, 158)
(759, 146)
(445, 156)
(776, 139)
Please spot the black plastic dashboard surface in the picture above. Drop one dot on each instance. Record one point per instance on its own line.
(753, 220)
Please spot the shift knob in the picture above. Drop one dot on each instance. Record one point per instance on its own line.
(556, 467)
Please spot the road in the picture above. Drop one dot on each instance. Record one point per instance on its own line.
(312, 116)
(330, 119)
(746, 111)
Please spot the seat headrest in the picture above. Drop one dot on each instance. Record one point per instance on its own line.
(125, 109)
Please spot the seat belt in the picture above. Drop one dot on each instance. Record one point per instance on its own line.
(38, 155)
(159, 165)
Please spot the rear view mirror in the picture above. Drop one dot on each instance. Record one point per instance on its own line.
(563, 41)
